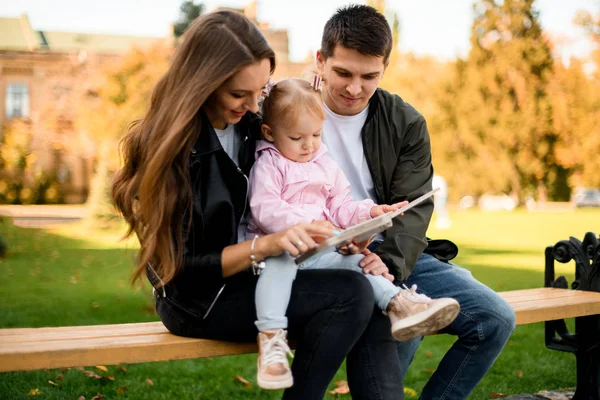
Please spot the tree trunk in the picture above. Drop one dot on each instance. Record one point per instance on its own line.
(100, 209)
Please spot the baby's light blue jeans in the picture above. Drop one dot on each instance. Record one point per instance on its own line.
(275, 285)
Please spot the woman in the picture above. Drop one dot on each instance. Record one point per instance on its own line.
(183, 191)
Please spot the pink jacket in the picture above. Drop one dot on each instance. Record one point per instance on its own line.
(284, 192)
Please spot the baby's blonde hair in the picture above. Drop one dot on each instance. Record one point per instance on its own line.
(288, 100)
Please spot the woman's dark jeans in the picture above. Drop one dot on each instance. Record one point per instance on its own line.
(331, 316)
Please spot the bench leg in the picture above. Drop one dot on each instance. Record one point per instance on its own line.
(587, 359)
(585, 343)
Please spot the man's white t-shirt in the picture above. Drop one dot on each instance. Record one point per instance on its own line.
(342, 136)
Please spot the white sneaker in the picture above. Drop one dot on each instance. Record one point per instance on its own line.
(273, 369)
(414, 314)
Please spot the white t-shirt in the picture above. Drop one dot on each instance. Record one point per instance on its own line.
(342, 136)
(230, 141)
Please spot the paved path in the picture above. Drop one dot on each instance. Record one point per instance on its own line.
(39, 216)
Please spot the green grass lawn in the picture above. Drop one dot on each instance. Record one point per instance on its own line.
(77, 276)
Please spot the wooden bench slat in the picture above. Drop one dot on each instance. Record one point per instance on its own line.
(24, 349)
(547, 304)
(549, 301)
(92, 331)
(541, 293)
(93, 343)
(131, 328)
(554, 304)
(530, 315)
(147, 348)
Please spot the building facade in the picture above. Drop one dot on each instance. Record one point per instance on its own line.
(33, 64)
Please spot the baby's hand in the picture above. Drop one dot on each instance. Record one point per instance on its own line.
(376, 211)
(326, 225)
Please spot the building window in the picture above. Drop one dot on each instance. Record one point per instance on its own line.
(17, 100)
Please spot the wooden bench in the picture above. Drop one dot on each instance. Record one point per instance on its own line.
(23, 349)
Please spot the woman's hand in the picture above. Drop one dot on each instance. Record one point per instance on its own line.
(373, 265)
(379, 210)
(296, 240)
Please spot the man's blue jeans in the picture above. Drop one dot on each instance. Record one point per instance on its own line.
(483, 327)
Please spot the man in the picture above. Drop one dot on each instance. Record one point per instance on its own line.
(382, 144)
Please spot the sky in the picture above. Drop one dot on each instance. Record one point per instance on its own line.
(439, 28)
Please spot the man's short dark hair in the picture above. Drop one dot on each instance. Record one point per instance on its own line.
(358, 27)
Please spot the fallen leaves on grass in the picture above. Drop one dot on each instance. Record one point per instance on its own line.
(243, 381)
(121, 389)
(95, 304)
(429, 371)
(53, 383)
(410, 393)
(102, 368)
(149, 382)
(34, 392)
(81, 398)
(429, 354)
(98, 397)
(519, 373)
(121, 368)
(92, 374)
(341, 387)
(497, 395)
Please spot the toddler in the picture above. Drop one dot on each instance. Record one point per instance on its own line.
(293, 181)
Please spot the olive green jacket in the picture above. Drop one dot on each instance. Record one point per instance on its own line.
(397, 148)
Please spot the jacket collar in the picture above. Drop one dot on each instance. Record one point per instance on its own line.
(373, 104)
(208, 141)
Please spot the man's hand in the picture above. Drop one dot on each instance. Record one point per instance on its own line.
(373, 265)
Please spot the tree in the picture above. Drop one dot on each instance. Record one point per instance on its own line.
(116, 95)
(496, 112)
(577, 105)
(576, 115)
(16, 160)
(188, 12)
(590, 23)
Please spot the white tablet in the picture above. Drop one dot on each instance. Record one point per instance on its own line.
(364, 230)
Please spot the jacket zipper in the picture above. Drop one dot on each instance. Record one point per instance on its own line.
(238, 229)
(213, 302)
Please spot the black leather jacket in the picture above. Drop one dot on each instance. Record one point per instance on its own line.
(220, 196)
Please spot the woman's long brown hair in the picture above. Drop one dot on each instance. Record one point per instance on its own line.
(152, 190)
